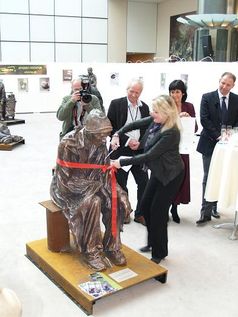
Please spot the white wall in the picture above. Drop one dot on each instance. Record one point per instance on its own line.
(141, 27)
(202, 77)
(117, 31)
(167, 9)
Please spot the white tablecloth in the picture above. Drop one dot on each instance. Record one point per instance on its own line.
(222, 182)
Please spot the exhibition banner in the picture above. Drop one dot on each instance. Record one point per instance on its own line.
(23, 70)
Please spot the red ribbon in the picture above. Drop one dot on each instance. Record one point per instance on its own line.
(104, 168)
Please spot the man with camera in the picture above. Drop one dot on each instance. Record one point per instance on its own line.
(76, 106)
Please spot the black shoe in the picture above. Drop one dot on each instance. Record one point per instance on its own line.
(140, 219)
(215, 214)
(176, 218)
(156, 260)
(203, 220)
(174, 213)
(147, 248)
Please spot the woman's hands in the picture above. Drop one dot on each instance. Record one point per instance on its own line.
(115, 163)
(115, 142)
(184, 114)
(133, 144)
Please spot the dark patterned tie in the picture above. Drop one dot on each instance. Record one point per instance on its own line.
(223, 111)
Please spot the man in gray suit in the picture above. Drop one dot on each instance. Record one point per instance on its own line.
(212, 117)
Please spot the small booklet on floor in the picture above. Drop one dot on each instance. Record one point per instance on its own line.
(99, 285)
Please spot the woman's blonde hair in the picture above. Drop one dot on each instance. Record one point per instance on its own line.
(166, 106)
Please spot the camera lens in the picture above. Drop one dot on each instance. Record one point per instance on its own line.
(86, 98)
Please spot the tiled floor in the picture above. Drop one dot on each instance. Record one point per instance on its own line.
(202, 263)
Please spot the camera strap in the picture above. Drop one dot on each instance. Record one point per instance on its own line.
(82, 115)
(75, 116)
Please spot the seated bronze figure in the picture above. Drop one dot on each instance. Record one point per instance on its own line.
(82, 186)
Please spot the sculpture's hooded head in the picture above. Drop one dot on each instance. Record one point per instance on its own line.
(97, 126)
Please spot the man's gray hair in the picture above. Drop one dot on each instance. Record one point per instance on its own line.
(76, 80)
(135, 81)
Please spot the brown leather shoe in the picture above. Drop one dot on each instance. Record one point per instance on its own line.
(117, 257)
(140, 219)
(95, 261)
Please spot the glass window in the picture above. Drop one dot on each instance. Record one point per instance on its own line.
(95, 8)
(69, 7)
(42, 7)
(14, 6)
(94, 30)
(94, 53)
(14, 27)
(42, 28)
(68, 53)
(67, 29)
(42, 52)
(15, 52)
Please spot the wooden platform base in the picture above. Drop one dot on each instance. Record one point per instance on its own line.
(13, 121)
(10, 146)
(68, 270)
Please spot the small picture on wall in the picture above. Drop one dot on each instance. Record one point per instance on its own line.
(67, 74)
(114, 79)
(44, 84)
(22, 84)
(184, 78)
(162, 81)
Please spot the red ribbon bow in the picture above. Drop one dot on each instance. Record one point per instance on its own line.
(104, 168)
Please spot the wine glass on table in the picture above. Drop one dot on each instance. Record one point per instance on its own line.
(223, 134)
(229, 131)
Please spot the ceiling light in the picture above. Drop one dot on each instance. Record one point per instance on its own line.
(214, 21)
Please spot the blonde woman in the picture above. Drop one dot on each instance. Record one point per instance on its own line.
(161, 155)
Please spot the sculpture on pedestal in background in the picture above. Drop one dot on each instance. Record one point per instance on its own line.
(84, 186)
(92, 77)
(2, 101)
(5, 135)
(10, 106)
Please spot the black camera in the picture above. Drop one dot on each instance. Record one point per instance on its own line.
(85, 95)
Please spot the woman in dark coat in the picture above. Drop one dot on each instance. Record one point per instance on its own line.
(161, 156)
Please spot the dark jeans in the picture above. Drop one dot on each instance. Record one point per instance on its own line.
(141, 179)
(207, 206)
(155, 205)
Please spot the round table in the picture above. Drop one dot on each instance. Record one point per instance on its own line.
(222, 182)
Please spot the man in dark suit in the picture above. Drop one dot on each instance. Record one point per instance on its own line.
(122, 111)
(212, 116)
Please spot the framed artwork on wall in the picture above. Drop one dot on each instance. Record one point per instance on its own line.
(114, 79)
(22, 84)
(181, 44)
(45, 84)
(67, 74)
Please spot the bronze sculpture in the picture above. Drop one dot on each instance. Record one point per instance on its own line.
(5, 135)
(2, 101)
(82, 186)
